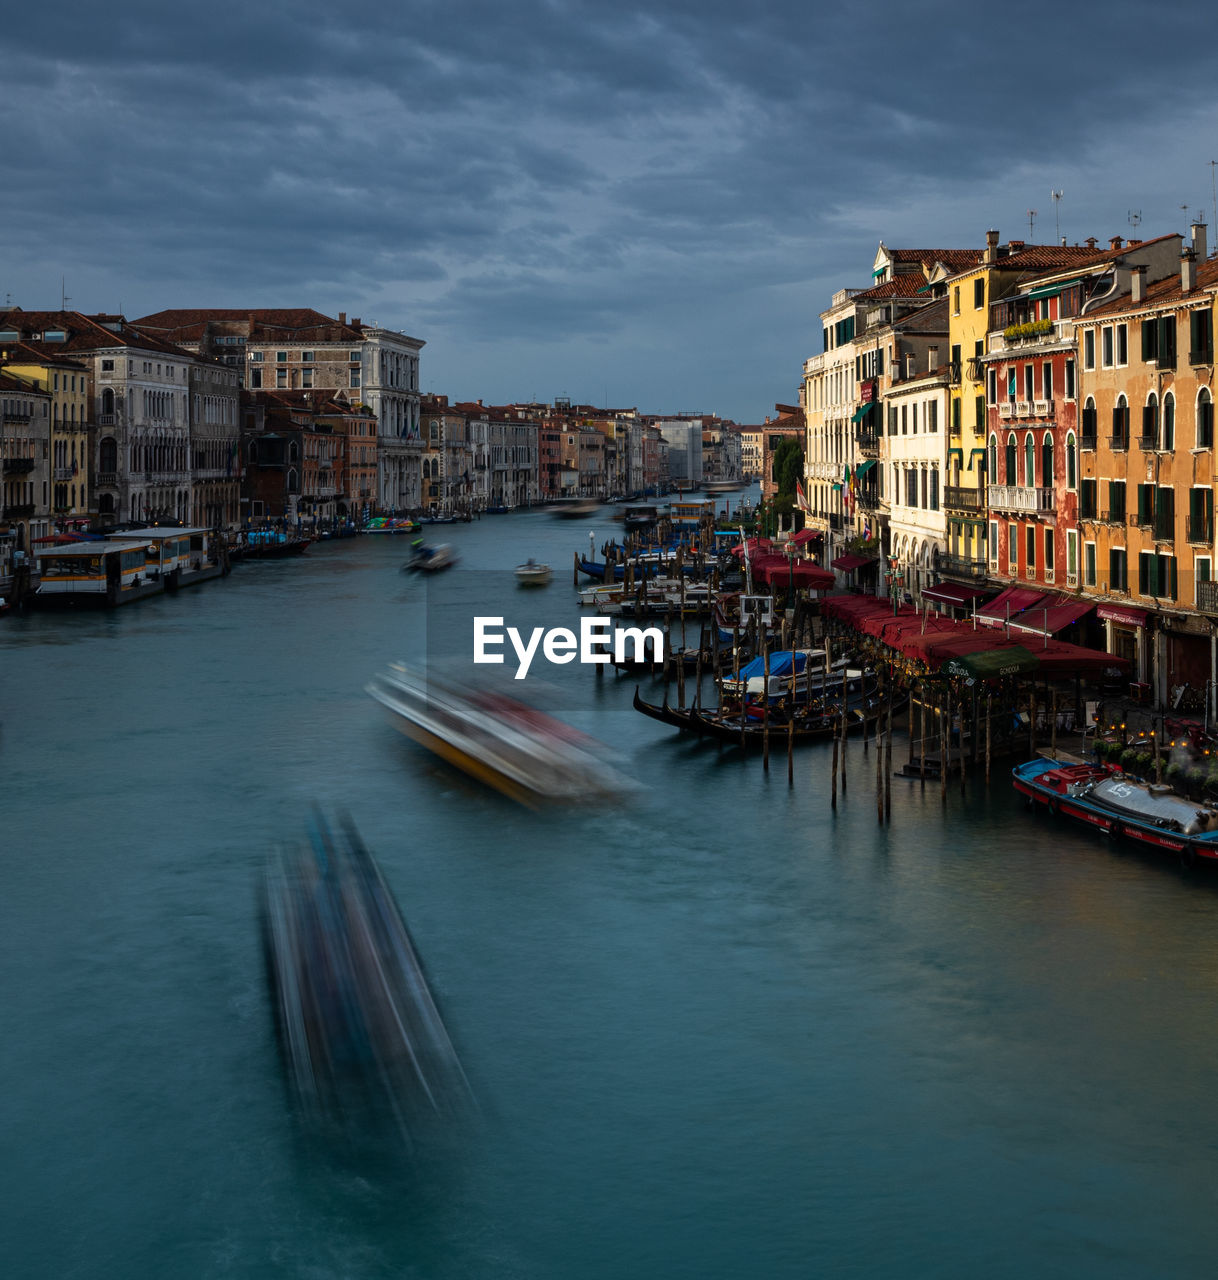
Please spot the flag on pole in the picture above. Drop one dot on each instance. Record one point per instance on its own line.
(801, 498)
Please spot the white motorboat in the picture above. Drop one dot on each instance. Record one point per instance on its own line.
(532, 574)
(524, 753)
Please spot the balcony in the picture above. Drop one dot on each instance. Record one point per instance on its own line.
(106, 419)
(1207, 597)
(1115, 515)
(959, 498)
(1201, 530)
(21, 510)
(18, 466)
(1042, 408)
(1023, 408)
(1149, 441)
(1088, 515)
(1006, 409)
(961, 567)
(953, 373)
(1086, 441)
(64, 473)
(10, 415)
(1012, 497)
(1118, 443)
(869, 444)
(1071, 578)
(108, 479)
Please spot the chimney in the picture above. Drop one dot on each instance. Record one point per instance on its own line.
(1137, 284)
(932, 360)
(1188, 271)
(1115, 242)
(342, 317)
(1199, 247)
(1133, 244)
(1063, 242)
(1090, 242)
(991, 246)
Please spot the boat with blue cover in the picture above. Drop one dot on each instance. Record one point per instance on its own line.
(1103, 797)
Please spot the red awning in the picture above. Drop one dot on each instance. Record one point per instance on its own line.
(953, 593)
(782, 571)
(1048, 620)
(807, 535)
(848, 563)
(854, 608)
(1121, 613)
(1007, 604)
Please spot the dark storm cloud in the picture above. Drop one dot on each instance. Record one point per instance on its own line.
(545, 172)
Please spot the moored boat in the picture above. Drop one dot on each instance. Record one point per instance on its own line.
(1103, 797)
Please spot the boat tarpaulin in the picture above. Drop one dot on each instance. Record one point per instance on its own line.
(782, 662)
(851, 561)
(1049, 619)
(1007, 604)
(954, 593)
(1123, 614)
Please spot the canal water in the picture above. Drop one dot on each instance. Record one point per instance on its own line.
(715, 1029)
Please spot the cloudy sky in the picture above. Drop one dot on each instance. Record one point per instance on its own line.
(623, 203)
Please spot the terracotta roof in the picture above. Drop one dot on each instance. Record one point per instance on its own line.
(9, 383)
(283, 324)
(958, 258)
(1162, 293)
(42, 353)
(904, 286)
(87, 333)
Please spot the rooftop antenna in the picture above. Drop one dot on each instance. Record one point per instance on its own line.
(1031, 225)
(63, 296)
(1056, 197)
(1135, 217)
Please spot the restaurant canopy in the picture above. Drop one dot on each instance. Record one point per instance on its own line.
(807, 535)
(780, 570)
(851, 561)
(1007, 604)
(1048, 617)
(955, 594)
(991, 664)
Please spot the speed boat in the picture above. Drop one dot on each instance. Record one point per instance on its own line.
(427, 559)
(532, 574)
(521, 752)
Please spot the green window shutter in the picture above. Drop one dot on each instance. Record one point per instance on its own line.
(1150, 345)
(1167, 342)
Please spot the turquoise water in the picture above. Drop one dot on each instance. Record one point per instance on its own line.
(714, 1029)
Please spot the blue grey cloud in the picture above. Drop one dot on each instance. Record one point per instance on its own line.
(548, 190)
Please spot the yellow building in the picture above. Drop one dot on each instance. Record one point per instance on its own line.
(39, 366)
(970, 294)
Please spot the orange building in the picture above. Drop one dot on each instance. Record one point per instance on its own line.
(1146, 383)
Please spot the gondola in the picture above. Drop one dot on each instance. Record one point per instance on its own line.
(817, 724)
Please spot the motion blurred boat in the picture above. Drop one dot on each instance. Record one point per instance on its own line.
(574, 508)
(532, 574)
(427, 559)
(1104, 797)
(527, 755)
(364, 1043)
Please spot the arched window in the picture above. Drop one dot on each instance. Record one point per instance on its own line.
(1010, 459)
(1169, 422)
(1205, 419)
(1046, 460)
(1071, 462)
(107, 454)
(292, 452)
(1120, 423)
(1029, 461)
(993, 459)
(293, 481)
(1090, 419)
(1150, 422)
